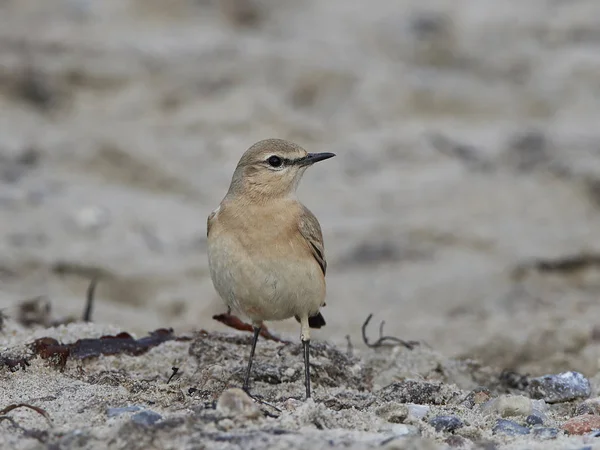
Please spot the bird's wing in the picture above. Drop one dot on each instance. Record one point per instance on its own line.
(309, 227)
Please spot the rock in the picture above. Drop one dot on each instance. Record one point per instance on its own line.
(544, 433)
(509, 406)
(581, 424)
(533, 419)
(477, 397)
(510, 428)
(146, 418)
(393, 412)
(114, 412)
(590, 406)
(402, 430)
(235, 402)
(539, 408)
(446, 423)
(558, 388)
(417, 411)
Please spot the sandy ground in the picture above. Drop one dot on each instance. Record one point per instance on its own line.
(463, 206)
(387, 397)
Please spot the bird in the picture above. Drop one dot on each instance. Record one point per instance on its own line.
(265, 249)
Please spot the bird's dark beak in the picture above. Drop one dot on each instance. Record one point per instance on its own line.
(312, 158)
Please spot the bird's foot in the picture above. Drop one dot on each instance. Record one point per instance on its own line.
(246, 389)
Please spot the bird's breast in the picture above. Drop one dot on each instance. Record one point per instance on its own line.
(261, 266)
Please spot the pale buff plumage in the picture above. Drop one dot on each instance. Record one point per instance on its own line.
(265, 248)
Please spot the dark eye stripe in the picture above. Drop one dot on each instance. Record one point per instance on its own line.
(287, 161)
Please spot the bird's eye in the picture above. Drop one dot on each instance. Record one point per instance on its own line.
(274, 161)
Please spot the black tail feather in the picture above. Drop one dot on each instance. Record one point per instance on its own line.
(316, 321)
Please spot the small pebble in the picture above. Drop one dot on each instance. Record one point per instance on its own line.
(562, 387)
(477, 397)
(510, 428)
(417, 411)
(446, 423)
(590, 406)
(509, 406)
(544, 433)
(235, 402)
(401, 430)
(114, 412)
(146, 418)
(532, 420)
(582, 424)
(539, 408)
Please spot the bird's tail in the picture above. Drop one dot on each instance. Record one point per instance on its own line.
(316, 321)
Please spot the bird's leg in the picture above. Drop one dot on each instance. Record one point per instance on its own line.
(246, 386)
(306, 345)
(305, 337)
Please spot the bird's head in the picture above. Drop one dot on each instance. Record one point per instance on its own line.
(272, 168)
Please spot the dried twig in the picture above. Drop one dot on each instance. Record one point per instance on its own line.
(175, 370)
(87, 314)
(384, 340)
(234, 322)
(38, 410)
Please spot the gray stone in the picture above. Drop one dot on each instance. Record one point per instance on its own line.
(533, 419)
(402, 430)
(510, 428)
(590, 406)
(417, 411)
(114, 412)
(558, 388)
(446, 423)
(146, 418)
(544, 433)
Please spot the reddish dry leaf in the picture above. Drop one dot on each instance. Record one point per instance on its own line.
(106, 345)
(38, 410)
(234, 322)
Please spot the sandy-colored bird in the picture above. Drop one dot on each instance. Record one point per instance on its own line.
(265, 248)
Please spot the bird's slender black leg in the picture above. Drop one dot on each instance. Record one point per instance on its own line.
(306, 345)
(246, 386)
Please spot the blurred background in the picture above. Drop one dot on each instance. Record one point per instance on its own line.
(463, 206)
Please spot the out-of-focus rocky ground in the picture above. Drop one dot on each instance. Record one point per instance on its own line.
(463, 206)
